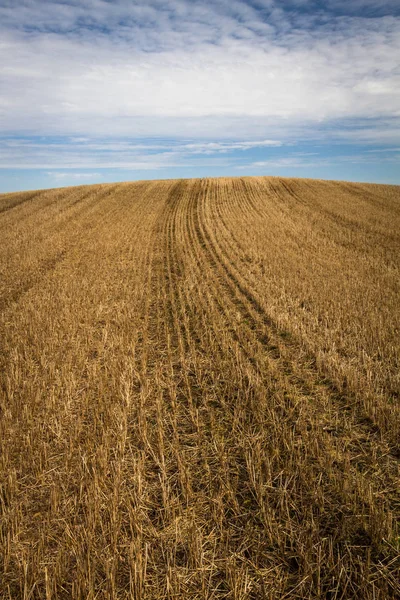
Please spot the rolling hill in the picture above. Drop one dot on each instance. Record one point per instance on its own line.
(200, 390)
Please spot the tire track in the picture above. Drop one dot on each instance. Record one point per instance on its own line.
(180, 337)
(255, 339)
(257, 329)
(216, 464)
(225, 412)
(240, 280)
(379, 413)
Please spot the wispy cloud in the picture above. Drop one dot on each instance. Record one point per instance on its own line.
(223, 147)
(306, 160)
(293, 162)
(73, 153)
(179, 83)
(76, 176)
(101, 67)
(383, 150)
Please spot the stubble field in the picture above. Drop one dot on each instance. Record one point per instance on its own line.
(200, 385)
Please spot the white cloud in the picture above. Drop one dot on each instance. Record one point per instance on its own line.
(364, 7)
(293, 162)
(204, 82)
(85, 153)
(76, 176)
(222, 147)
(383, 150)
(302, 160)
(190, 69)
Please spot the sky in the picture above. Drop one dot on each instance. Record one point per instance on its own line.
(93, 91)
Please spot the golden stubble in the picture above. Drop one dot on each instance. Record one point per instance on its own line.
(200, 391)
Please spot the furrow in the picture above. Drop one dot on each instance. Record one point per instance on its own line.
(257, 330)
(247, 336)
(246, 285)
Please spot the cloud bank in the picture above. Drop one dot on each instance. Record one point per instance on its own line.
(104, 66)
(212, 78)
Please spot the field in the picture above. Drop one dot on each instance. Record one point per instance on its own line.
(200, 385)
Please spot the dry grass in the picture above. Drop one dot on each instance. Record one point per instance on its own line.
(200, 391)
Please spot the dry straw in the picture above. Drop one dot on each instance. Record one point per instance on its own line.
(200, 391)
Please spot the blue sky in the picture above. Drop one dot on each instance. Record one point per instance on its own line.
(96, 91)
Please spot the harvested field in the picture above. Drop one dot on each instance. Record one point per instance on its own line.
(200, 391)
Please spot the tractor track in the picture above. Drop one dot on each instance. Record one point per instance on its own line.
(208, 454)
(257, 329)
